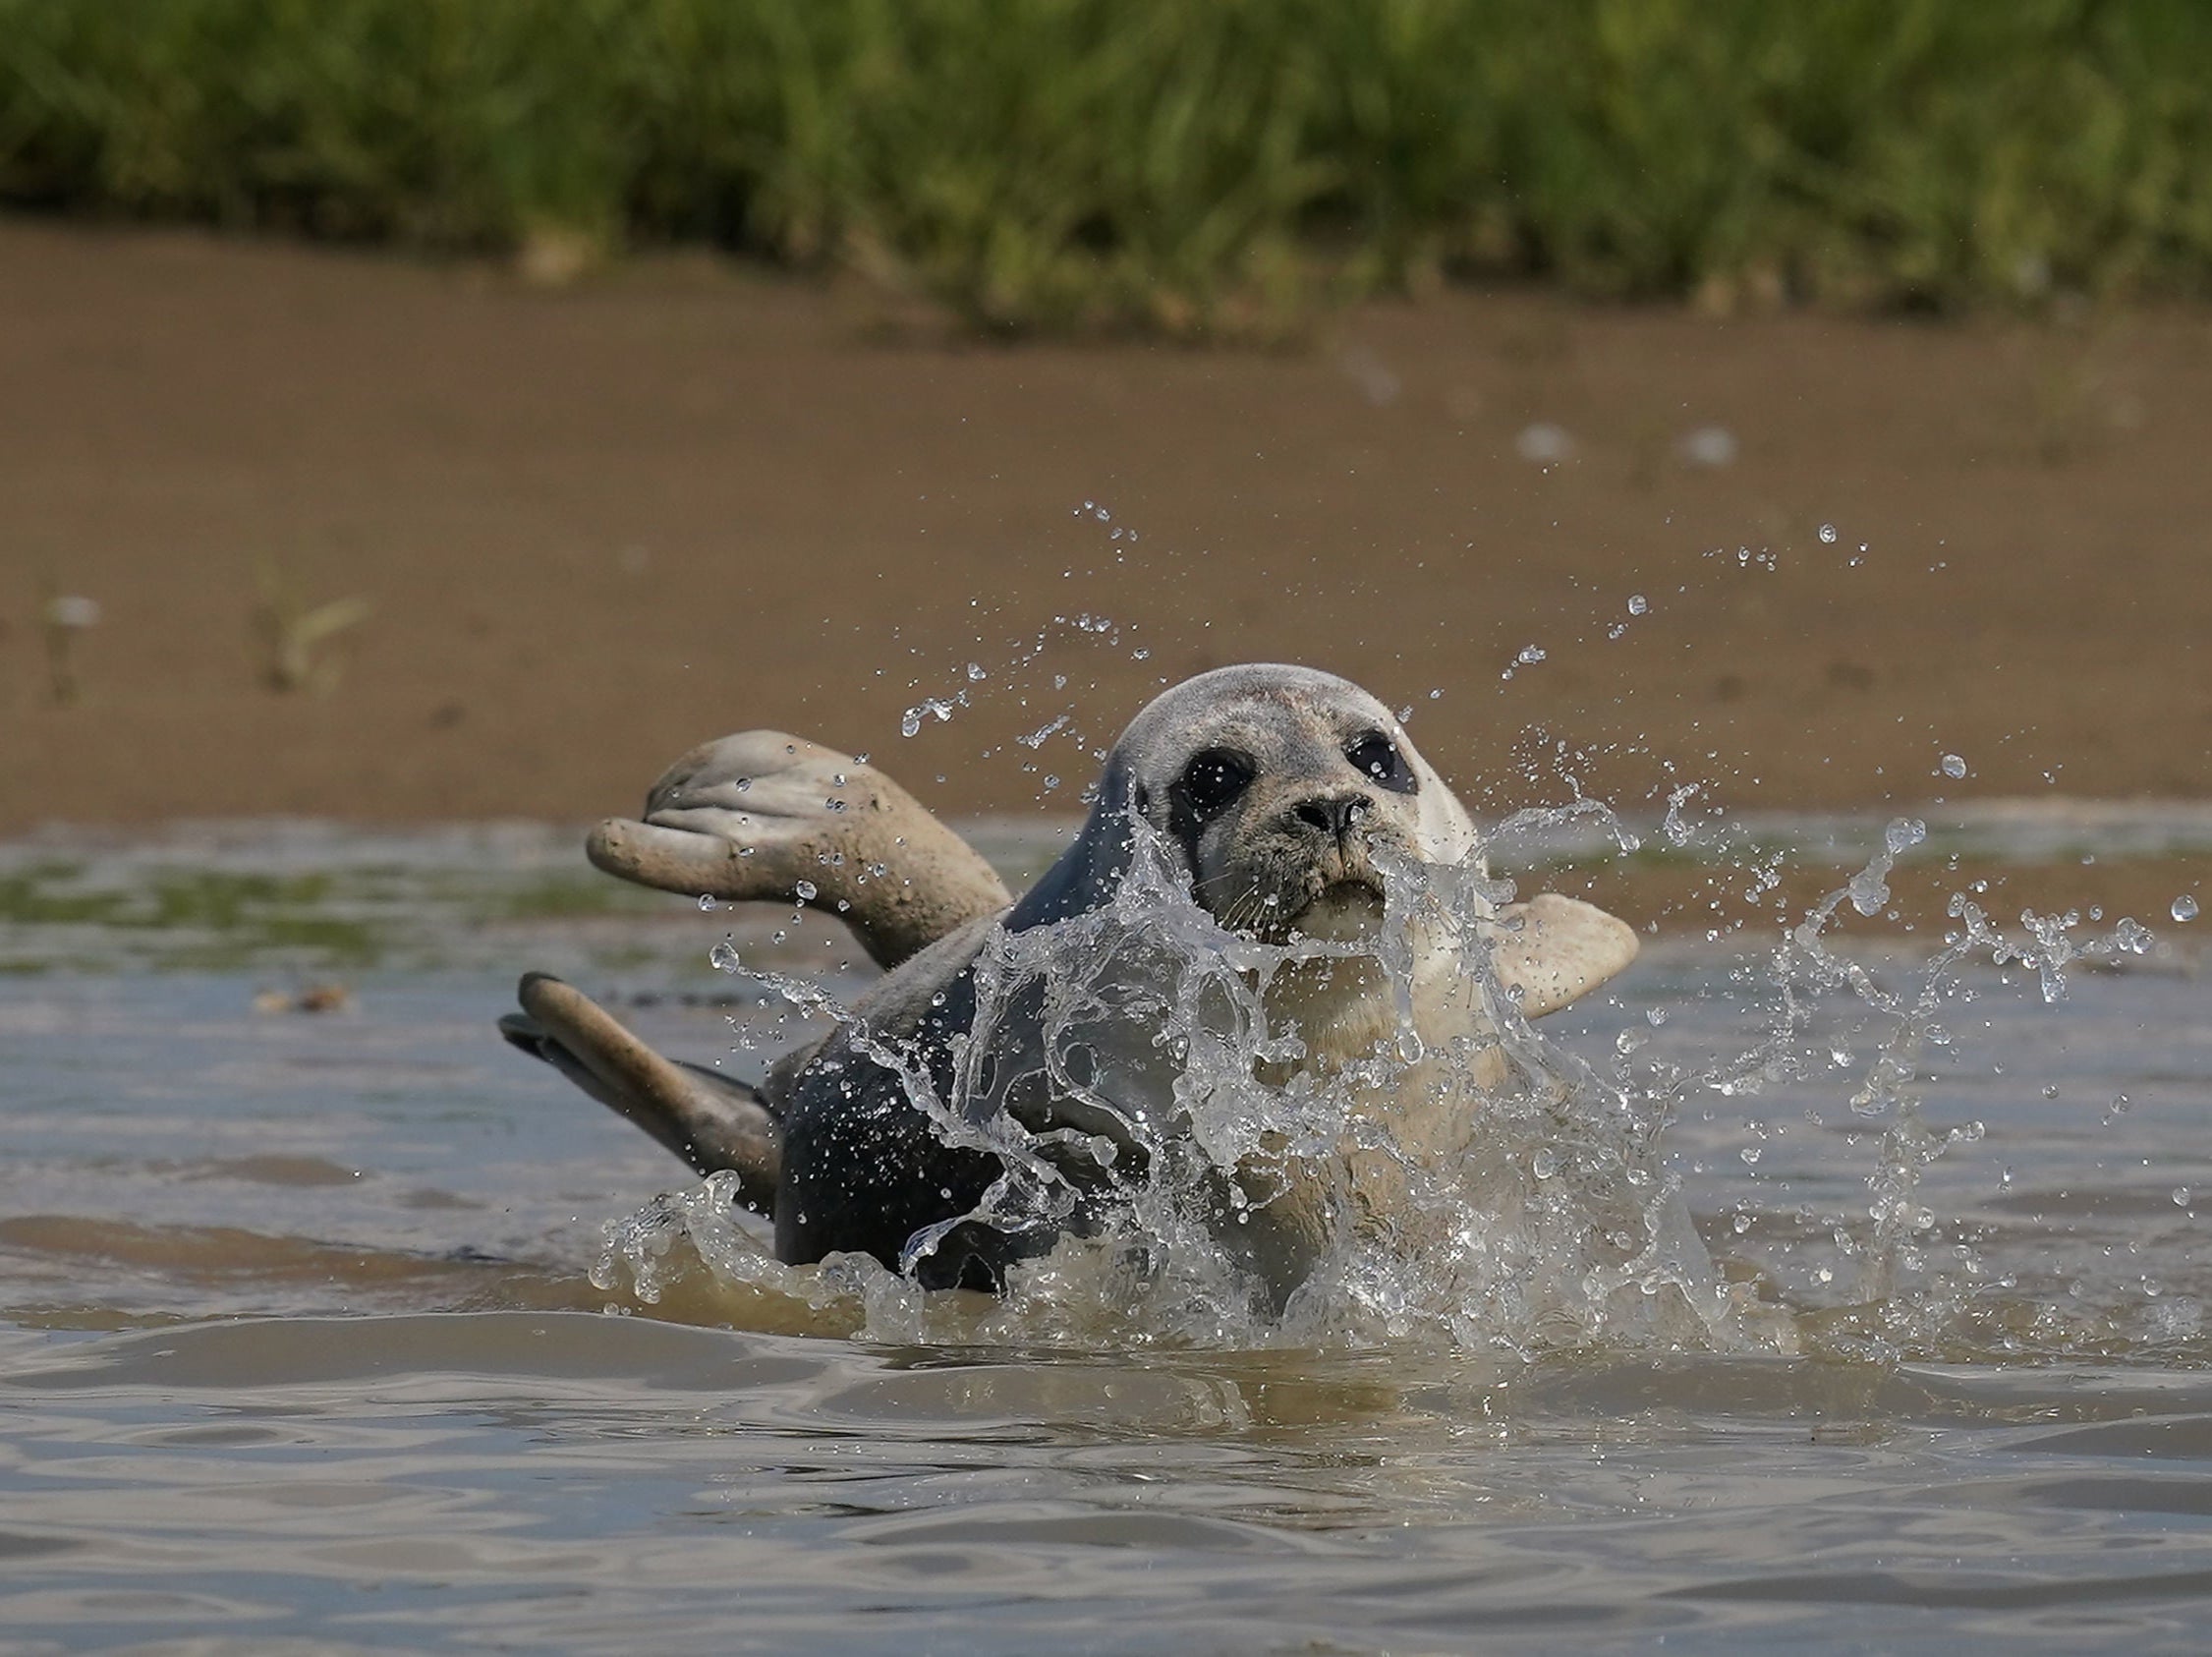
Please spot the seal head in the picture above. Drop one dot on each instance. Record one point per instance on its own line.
(1280, 787)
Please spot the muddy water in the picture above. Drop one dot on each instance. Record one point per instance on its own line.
(300, 1346)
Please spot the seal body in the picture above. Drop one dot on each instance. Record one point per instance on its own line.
(1268, 869)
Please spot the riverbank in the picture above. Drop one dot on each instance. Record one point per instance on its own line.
(594, 525)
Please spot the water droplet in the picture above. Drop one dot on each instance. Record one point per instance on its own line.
(807, 891)
(1544, 1163)
(1954, 766)
(936, 707)
(1751, 1155)
(2181, 1196)
(706, 901)
(1037, 737)
(1827, 535)
(1638, 604)
(2183, 909)
(724, 958)
(1530, 654)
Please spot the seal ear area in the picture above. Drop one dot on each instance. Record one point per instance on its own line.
(1091, 870)
(1554, 951)
(712, 1122)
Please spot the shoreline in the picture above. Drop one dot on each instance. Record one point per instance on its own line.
(1740, 881)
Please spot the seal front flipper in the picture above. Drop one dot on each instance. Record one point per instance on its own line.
(1554, 951)
(712, 1122)
(775, 818)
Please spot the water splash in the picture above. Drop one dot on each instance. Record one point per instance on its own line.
(1243, 1173)
(939, 708)
(1912, 1279)
(1490, 1189)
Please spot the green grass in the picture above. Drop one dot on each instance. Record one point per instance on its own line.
(120, 915)
(1164, 164)
(560, 897)
(233, 917)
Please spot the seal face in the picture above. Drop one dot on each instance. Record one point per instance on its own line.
(1282, 787)
(1283, 802)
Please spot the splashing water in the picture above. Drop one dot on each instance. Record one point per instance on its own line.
(1218, 1172)
(938, 708)
(1494, 1190)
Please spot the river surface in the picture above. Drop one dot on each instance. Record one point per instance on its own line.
(303, 1342)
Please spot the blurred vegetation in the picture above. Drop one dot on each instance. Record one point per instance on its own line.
(1162, 163)
(210, 918)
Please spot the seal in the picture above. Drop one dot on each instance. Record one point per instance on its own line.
(1324, 891)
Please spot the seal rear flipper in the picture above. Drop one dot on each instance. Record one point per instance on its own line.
(761, 816)
(714, 1124)
(1554, 951)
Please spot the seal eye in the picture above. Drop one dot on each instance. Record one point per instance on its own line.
(1376, 756)
(1214, 779)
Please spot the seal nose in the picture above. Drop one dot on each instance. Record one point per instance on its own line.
(1335, 815)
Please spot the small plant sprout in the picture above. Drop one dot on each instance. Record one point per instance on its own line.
(62, 617)
(293, 634)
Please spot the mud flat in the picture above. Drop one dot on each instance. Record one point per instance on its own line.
(599, 524)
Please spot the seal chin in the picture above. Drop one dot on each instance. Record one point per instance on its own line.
(1342, 912)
